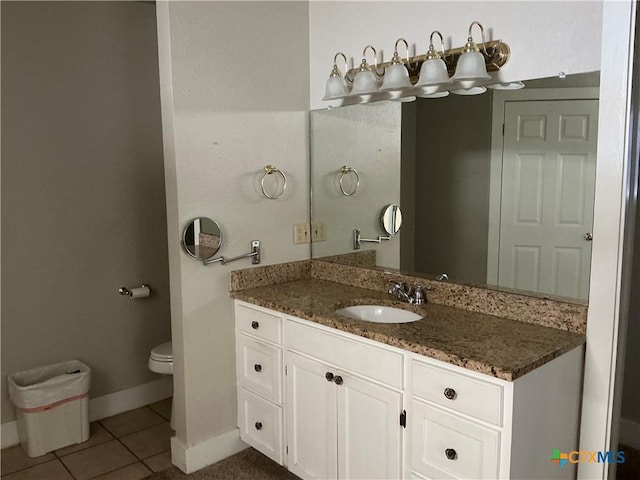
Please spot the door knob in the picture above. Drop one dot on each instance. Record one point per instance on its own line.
(338, 380)
(257, 367)
(588, 237)
(329, 376)
(258, 425)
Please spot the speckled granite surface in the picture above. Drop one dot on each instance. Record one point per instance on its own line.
(270, 274)
(496, 346)
(539, 311)
(365, 258)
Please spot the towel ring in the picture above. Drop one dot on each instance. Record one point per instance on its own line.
(346, 170)
(270, 169)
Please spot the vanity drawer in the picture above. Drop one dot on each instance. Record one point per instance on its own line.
(261, 424)
(259, 367)
(444, 445)
(459, 392)
(350, 354)
(259, 323)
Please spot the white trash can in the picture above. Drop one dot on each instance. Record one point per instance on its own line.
(52, 406)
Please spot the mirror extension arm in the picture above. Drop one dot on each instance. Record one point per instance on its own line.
(254, 254)
(357, 239)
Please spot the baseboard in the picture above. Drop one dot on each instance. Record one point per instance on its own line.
(108, 405)
(135, 397)
(630, 433)
(203, 454)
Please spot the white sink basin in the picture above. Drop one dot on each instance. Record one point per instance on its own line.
(378, 314)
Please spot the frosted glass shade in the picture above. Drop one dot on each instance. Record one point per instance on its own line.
(434, 95)
(364, 83)
(470, 91)
(433, 72)
(396, 78)
(470, 67)
(336, 88)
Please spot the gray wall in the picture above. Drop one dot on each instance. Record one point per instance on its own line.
(83, 201)
(453, 150)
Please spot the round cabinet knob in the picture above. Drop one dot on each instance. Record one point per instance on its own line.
(329, 376)
(258, 425)
(338, 380)
(255, 325)
(450, 393)
(257, 367)
(451, 454)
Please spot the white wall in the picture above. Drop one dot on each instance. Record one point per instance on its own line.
(234, 80)
(538, 33)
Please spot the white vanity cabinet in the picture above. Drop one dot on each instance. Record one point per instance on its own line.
(259, 374)
(343, 406)
(332, 405)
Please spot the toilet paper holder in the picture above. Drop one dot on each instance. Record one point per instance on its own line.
(143, 290)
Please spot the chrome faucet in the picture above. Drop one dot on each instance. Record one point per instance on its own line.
(417, 296)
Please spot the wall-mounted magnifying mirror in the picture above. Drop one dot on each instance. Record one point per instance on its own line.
(201, 238)
(391, 219)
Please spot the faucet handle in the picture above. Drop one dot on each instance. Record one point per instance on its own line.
(419, 295)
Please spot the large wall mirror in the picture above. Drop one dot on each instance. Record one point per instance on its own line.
(495, 189)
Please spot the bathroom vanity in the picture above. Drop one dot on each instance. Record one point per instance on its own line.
(457, 394)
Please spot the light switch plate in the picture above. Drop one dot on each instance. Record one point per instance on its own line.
(318, 231)
(301, 233)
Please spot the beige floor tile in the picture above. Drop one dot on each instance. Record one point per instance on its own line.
(14, 459)
(150, 441)
(53, 470)
(131, 421)
(98, 460)
(162, 408)
(132, 472)
(159, 462)
(97, 436)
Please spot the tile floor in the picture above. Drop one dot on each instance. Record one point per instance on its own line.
(129, 446)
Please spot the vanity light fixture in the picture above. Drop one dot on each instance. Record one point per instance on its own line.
(429, 73)
(396, 78)
(471, 64)
(337, 86)
(433, 71)
(365, 82)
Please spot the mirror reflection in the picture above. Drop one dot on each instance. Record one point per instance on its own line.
(391, 219)
(496, 189)
(201, 238)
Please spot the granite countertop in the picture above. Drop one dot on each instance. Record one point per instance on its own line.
(503, 348)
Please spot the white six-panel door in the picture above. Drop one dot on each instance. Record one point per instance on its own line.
(548, 177)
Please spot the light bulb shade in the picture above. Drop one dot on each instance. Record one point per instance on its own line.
(336, 88)
(396, 78)
(365, 82)
(434, 95)
(470, 91)
(433, 72)
(470, 67)
(507, 86)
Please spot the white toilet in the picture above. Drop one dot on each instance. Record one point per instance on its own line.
(161, 361)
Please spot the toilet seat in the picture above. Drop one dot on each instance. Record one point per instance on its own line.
(163, 353)
(161, 359)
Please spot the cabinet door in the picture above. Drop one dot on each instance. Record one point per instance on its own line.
(311, 419)
(369, 431)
